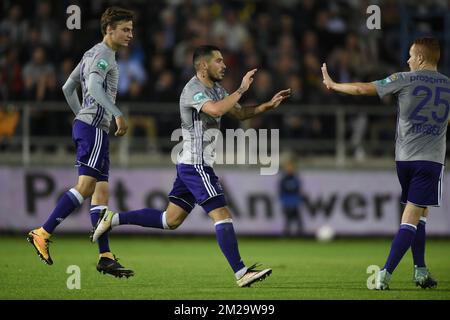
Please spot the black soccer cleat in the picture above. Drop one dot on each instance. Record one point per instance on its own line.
(112, 267)
(423, 278)
(427, 282)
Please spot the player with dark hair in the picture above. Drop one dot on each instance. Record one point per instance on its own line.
(202, 104)
(423, 113)
(98, 75)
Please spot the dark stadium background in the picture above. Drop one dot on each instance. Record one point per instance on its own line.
(331, 137)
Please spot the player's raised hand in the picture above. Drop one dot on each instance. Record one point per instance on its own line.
(122, 127)
(279, 97)
(247, 81)
(327, 81)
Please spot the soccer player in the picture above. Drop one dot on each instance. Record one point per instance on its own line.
(423, 113)
(203, 102)
(98, 75)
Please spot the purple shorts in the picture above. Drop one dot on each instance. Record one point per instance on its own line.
(92, 146)
(196, 184)
(421, 182)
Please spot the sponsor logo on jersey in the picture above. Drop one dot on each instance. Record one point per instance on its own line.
(389, 79)
(102, 64)
(199, 96)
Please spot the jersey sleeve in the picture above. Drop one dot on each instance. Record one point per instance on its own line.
(75, 75)
(390, 85)
(197, 98)
(101, 64)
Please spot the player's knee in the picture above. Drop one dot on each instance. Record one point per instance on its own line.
(86, 189)
(173, 219)
(174, 223)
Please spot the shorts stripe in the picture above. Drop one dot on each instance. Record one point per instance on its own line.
(205, 183)
(97, 147)
(93, 149)
(209, 180)
(211, 191)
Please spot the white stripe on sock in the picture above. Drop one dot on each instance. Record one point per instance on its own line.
(164, 221)
(115, 220)
(424, 219)
(77, 195)
(224, 221)
(409, 224)
(98, 208)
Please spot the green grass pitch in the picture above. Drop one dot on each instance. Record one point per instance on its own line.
(194, 268)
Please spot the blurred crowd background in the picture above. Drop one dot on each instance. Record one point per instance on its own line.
(287, 40)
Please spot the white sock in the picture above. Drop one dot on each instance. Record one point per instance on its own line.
(77, 195)
(240, 273)
(164, 221)
(115, 220)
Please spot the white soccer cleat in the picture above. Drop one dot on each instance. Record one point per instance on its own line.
(253, 275)
(382, 281)
(103, 224)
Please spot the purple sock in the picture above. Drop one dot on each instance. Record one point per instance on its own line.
(228, 244)
(418, 245)
(145, 218)
(103, 243)
(400, 244)
(68, 202)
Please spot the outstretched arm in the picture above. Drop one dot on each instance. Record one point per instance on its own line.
(244, 113)
(354, 88)
(219, 108)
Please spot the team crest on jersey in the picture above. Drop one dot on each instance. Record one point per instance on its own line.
(389, 79)
(199, 96)
(102, 64)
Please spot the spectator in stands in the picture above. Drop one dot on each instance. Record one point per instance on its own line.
(129, 70)
(15, 26)
(11, 83)
(39, 77)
